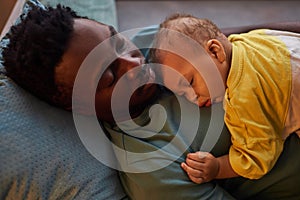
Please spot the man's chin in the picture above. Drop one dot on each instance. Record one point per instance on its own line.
(144, 97)
(147, 88)
(141, 98)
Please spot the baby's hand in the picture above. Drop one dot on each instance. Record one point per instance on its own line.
(201, 167)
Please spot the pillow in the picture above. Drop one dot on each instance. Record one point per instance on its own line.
(41, 154)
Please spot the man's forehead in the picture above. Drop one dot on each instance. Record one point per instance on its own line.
(90, 26)
(86, 36)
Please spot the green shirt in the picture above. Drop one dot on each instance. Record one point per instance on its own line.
(160, 175)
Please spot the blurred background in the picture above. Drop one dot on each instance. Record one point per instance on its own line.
(229, 13)
(126, 15)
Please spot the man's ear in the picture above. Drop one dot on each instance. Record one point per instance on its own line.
(216, 50)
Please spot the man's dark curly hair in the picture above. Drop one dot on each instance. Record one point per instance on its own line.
(36, 47)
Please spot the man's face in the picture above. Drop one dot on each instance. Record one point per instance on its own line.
(87, 35)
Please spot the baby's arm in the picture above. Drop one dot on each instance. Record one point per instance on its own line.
(203, 167)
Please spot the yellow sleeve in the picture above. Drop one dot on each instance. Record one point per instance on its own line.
(256, 102)
(254, 148)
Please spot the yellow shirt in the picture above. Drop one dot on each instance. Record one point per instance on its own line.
(257, 101)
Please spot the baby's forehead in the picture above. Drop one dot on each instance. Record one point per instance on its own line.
(181, 23)
(177, 23)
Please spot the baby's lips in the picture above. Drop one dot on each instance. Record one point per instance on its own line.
(208, 103)
(205, 103)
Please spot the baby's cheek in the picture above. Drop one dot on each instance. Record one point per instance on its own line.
(191, 95)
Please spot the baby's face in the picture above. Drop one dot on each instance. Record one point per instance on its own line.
(188, 82)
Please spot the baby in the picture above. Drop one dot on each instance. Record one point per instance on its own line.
(260, 72)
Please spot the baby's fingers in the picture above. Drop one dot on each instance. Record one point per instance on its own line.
(191, 171)
(198, 156)
(194, 164)
(194, 175)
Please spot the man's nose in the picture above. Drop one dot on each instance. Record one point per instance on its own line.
(127, 63)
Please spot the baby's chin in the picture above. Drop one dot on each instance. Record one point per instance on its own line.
(209, 102)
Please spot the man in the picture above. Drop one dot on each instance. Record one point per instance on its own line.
(45, 53)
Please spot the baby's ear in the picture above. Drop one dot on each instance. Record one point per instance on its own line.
(216, 50)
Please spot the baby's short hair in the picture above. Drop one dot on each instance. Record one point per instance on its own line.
(198, 29)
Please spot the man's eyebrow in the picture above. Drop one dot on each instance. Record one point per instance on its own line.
(112, 31)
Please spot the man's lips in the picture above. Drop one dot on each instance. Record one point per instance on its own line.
(149, 75)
